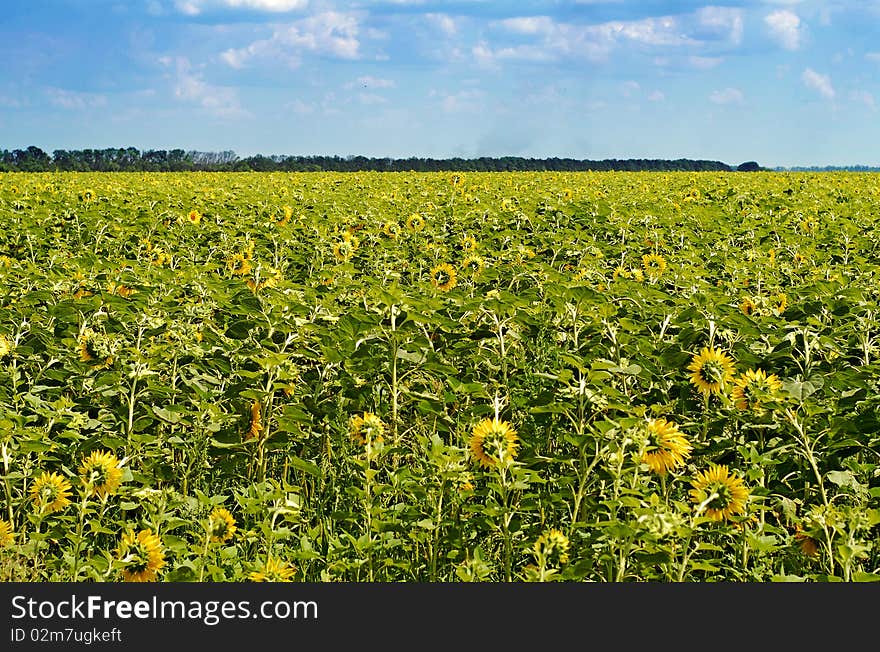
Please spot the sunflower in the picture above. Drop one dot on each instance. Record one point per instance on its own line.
(779, 302)
(415, 222)
(667, 449)
(391, 229)
(654, 265)
(88, 195)
(367, 427)
(221, 525)
(7, 533)
(551, 548)
(285, 218)
(474, 264)
(238, 264)
(621, 272)
(141, 555)
(194, 217)
(808, 545)
(443, 277)
(747, 306)
(5, 346)
(722, 493)
(256, 426)
(711, 370)
(274, 570)
(493, 440)
(100, 473)
(468, 243)
(637, 274)
(51, 492)
(753, 387)
(345, 248)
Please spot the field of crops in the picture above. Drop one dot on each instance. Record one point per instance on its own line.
(316, 377)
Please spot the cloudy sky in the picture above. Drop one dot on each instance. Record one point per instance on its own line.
(782, 82)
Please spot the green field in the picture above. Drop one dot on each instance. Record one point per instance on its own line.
(426, 377)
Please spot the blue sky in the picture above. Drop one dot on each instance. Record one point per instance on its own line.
(782, 82)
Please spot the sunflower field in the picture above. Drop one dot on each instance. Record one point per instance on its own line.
(438, 377)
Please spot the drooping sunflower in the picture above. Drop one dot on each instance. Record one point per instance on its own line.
(747, 306)
(723, 493)
(274, 570)
(366, 427)
(474, 264)
(51, 492)
(551, 548)
(101, 473)
(141, 555)
(711, 370)
(221, 525)
(345, 248)
(7, 533)
(493, 440)
(194, 217)
(779, 302)
(753, 387)
(443, 277)
(415, 222)
(5, 346)
(239, 264)
(287, 214)
(654, 265)
(667, 448)
(256, 426)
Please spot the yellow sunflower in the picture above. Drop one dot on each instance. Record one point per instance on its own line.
(101, 473)
(779, 302)
(654, 265)
(493, 440)
(141, 556)
(667, 449)
(5, 346)
(443, 277)
(194, 217)
(747, 306)
(256, 426)
(753, 387)
(415, 222)
(551, 548)
(221, 525)
(724, 494)
(367, 427)
(711, 370)
(7, 533)
(391, 229)
(51, 492)
(345, 248)
(239, 264)
(474, 264)
(285, 218)
(468, 243)
(274, 570)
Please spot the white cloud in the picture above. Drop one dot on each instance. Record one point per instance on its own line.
(529, 25)
(190, 87)
(330, 33)
(443, 22)
(818, 82)
(629, 88)
(656, 96)
(195, 7)
(469, 100)
(75, 100)
(864, 97)
(785, 26)
(371, 82)
(727, 96)
(725, 21)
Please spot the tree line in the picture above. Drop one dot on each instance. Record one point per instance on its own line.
(130, 159)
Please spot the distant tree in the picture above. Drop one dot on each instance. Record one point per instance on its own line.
(748, 166)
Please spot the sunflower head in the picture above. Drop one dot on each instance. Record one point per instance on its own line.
(7, 533)
(239, 264)
(345, 248)
(779, 302)
(194, 217)
(287, 213)
(747, 306)
(653, 265)
(551, 548)
(443, 277)
(754, 387)
(51, 492)
(141, 556)
(711, 370)
(473, 264)
(366, 428)
(391, 229)
(720, 493)
(5, 346)
(667, 448)
(493, 441)
(101, 473)
(221, 525)
(256, 426)
(274, 570)
(415, 222)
